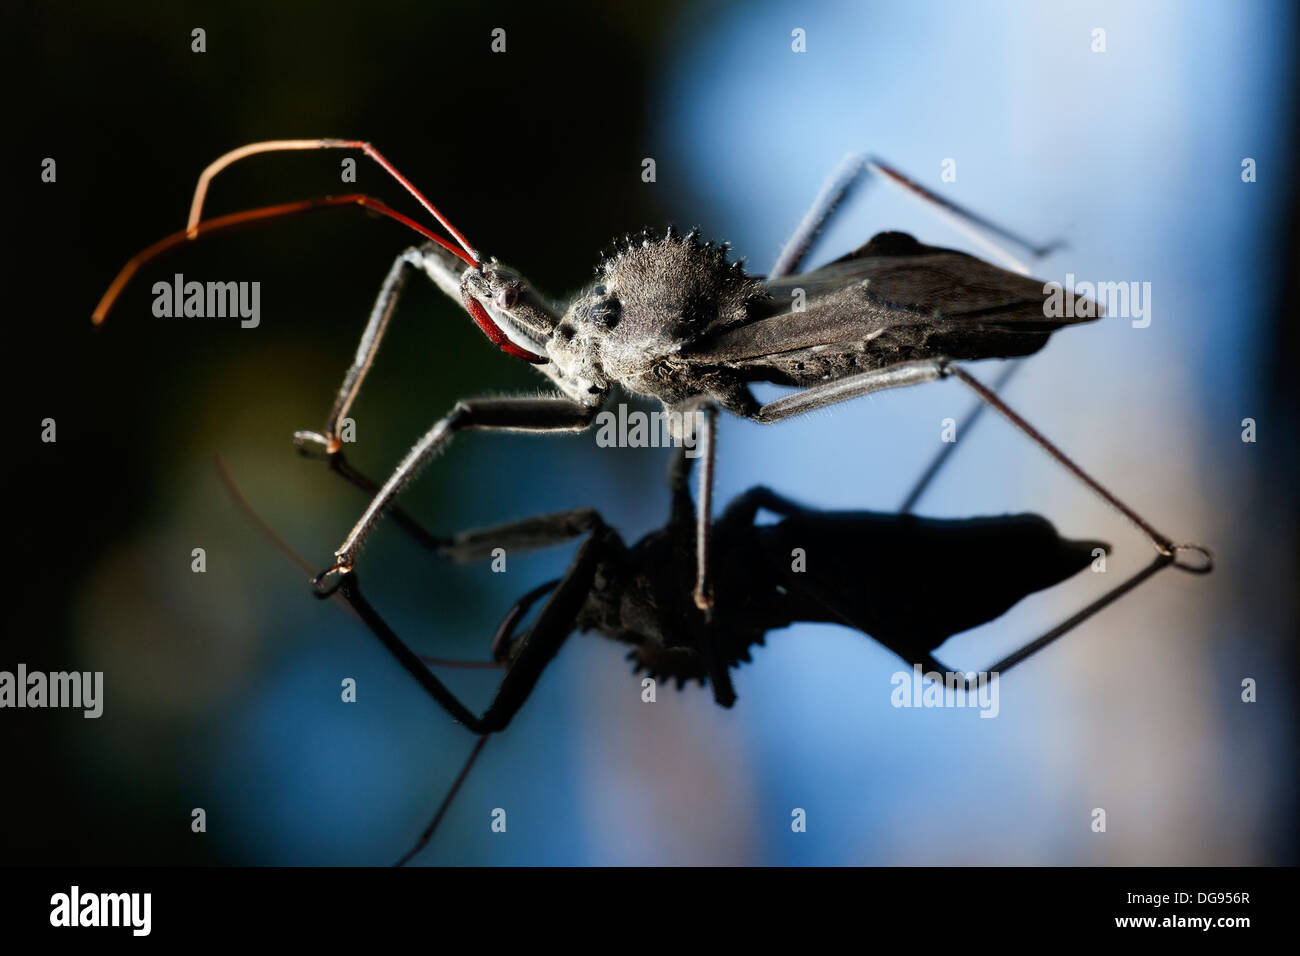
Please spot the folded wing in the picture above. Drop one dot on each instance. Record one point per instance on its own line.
(892, 300)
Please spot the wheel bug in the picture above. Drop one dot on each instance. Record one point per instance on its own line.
(892, 313)
(669, 317)
(876, 573)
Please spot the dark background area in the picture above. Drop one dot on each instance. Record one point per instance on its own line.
(536, 156)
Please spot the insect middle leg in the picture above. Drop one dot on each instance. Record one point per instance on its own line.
(524, 534)
(503, 414)
(704, 519)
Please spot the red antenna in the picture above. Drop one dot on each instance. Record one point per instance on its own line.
(197, 227)
(207, 227)
(282, 145)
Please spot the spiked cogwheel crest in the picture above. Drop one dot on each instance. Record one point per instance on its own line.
(643, 249)
(677, 272)
(682, 665)
(663, 664)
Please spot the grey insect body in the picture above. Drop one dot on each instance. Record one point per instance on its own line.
(672, 318)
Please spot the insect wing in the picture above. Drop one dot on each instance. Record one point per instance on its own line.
(891, 300)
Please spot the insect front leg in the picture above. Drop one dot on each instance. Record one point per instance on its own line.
(317, 445)
(507, 414)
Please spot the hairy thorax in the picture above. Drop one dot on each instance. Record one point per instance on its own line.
(654, 297)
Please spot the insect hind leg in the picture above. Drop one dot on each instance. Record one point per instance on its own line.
(849, 174)
(1165, 547)
(1193, 558)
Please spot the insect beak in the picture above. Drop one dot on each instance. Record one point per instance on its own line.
(494, 332)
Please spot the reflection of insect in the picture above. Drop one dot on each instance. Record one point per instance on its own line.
(878, 573)
(670, 318)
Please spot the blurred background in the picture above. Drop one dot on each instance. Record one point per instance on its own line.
(223, 688)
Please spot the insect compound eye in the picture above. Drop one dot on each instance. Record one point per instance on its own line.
(506, 298)
(606, 312)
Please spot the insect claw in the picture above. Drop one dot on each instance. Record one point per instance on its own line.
(328, 581)
(315, 445)
(1201, 563)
